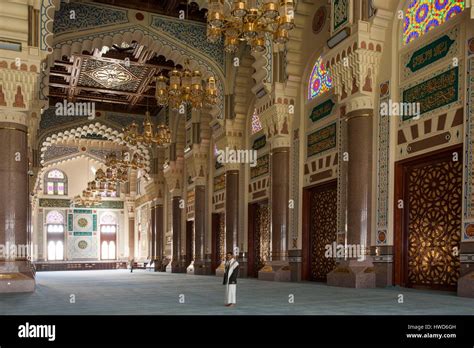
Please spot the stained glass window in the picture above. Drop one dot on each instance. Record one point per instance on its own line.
(256, 124)
(319, 81)
(55, 250)
(423, 15)
(55, 182)
(108, 250)
(60, 188)
(56, 174)
(50, 188)
(108, 219)
(54, 217)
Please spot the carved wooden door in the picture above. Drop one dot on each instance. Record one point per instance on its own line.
(323, 229)
(432, 230)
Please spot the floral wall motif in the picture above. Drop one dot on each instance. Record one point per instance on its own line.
(192, 34)
(340, 14)
(383, 124)
(55, 151)
(468, 209)
(86, 16)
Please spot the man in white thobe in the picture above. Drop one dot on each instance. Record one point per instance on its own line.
(230, 279)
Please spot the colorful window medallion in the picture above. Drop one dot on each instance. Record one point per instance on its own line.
(319, 81)
(421, 16)
(256, 124)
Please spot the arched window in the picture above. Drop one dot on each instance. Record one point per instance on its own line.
(108, 236)
(256, 124)
(421, 16)
(319, 81)
(55, 183)
(55, 235)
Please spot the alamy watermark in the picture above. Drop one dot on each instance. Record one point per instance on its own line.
(66, 108)
(11, 251)
(230, 155)
(345, 251)
(400, 109)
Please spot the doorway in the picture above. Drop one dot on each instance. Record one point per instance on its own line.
(319, 230)
(428, 215)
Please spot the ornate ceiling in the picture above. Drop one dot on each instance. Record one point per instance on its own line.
(120, 79)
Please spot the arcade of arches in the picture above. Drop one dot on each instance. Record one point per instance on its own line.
(362, 124)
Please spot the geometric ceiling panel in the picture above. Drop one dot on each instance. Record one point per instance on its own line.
(112, 75)
(105, 74)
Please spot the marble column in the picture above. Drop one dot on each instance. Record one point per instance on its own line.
(359, 176)
(357, 272)
(177, 263)
(280, 196)
(16, 272)
(152, 251)
(158, 247)
(278, 269)
(131, 238)
(200, 265)
(232, 210)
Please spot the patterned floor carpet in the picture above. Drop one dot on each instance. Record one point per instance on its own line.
(119, 292)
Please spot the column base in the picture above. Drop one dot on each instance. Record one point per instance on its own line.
(278, 271)
(295, 260)
(16, 276)
(353, 274)
(243, 267)
(169, 268)
(190, 268)
(466, 285)
(177, 268)
(202, 267)
(220, 271)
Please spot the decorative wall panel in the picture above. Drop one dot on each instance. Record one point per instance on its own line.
(322, 140)
(468, 232)
(383, 152)
(82, 241)
(261, 168)
(445, 46)
(441, 90)
(73, 16)
(340, 14)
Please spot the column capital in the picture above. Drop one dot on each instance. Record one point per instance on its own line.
(359, 102)
(354, 66)
(173, 173)
(276, 124)
(232, 167)
(197, 160)
(9, 115)
(231, 136)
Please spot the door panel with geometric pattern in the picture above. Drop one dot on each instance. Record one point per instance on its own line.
(432, 233)
(323, 229)
(259, 237)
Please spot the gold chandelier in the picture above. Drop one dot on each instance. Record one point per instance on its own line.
(160, 137)
(88, 198)
(250, 20)
(123, 163)
(185, 88)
